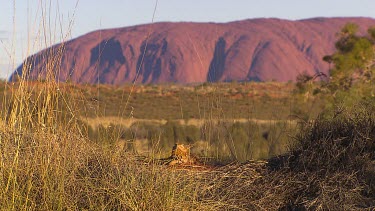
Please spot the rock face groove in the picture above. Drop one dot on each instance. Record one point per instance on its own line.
(248, 50)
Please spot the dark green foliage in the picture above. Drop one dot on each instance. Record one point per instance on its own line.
(225, 141)
(352, 76)
(347, 38)
(239, 142)
(328, 59)
(302, 82)
(193, 134)
(106, 134)
(173, 132)
(371, 32)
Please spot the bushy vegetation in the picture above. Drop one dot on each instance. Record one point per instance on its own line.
(331, 166)
(53, 159)
(352, 71)
(61, 171)
(220, 140)
(48, 163)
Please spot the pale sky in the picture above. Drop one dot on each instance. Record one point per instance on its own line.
(20, 20)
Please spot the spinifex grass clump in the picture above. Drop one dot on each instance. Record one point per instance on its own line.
(332, 165)
(37, 105)
(66, 172)
(47, 163)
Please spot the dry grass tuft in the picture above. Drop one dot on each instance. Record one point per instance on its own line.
(331, 166)
(48, 163)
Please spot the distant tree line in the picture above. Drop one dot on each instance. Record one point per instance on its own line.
(235, 141)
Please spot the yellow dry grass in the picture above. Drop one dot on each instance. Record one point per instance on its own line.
(127, 122)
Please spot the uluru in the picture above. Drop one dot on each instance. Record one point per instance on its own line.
(265, 49)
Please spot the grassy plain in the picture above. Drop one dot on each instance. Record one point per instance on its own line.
(258, 119)
(263, 146)
(49, 161)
